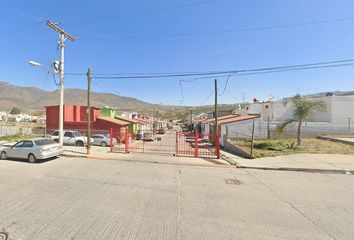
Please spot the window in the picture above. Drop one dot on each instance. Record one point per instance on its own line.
(43, 142)
(97, 137)
(19, 144)
(56, 133)
(77, 134)
(68, 134)
(28, 144)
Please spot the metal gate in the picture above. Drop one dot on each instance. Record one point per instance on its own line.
(171, 142)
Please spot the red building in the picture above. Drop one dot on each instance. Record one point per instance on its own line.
(75, 118)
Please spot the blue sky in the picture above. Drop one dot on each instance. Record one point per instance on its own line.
(109, 48)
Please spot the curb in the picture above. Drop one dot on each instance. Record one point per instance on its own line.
(93, 157)
(308, 170)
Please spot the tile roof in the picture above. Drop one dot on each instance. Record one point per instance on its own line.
(210, 120)
(115, 121)
(238, 119)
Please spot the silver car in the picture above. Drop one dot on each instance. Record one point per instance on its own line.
(33, 150)
(102, 140)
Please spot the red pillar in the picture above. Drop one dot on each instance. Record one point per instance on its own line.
(111, 144)
(217, 143)
(126, 140)
(196, 143)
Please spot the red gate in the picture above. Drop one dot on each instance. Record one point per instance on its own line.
(172, 142)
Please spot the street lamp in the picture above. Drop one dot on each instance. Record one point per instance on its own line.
(61, 106)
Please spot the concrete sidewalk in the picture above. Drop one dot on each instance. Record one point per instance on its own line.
(101, 153)
(330, 163)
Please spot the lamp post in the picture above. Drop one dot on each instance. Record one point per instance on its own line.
(61, 106)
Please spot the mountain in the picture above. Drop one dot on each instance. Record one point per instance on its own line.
(32, 99)
(35, 99)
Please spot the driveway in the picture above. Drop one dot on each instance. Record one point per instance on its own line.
(91, 199)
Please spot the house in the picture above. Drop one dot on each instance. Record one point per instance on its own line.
(108, 112)
(3, 116)
(75, 118)
(337, 116)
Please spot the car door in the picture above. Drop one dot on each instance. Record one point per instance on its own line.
(27, 148)
(69, 138)
(16, 150)
(98, 140)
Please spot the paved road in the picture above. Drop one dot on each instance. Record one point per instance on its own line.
(92, 199)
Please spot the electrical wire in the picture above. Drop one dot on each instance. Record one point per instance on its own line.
(22, 28)
(227, 81)
(207, 98)
(338, 63)
(254, 29)
(141, 12)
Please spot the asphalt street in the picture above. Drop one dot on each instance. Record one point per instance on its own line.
(96, 199)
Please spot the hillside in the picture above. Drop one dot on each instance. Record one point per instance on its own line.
(35, 99)
(31, 99)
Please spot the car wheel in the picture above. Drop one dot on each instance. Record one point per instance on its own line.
(79, 144)
(56, 140)
(3, 156)
(104, 144)
(31, 158)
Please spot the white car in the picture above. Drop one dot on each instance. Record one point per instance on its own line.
(32, 149)
(74, 138)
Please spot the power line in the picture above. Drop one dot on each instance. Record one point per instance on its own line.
(23, 28)
(227, 81)
(207, 98)
(141, 12)
(338, 63)
(251, 29)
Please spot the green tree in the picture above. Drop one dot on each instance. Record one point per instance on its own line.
(15, 110)
(303, 109)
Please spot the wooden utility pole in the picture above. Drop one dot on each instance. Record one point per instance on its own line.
(89, 78)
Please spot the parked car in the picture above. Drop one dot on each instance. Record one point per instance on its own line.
(161, 131)
(102, 140)
(33, 150)
(185, 129)
(74, 138)
(148, 136)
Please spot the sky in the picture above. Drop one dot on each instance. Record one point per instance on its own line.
(136, 36)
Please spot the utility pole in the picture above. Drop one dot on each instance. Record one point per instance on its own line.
(191, 128)
(63, 36)
(216, 106)
(89, 78)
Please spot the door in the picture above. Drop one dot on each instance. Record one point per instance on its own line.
(27, 148)
(16, 151)
(69, 138)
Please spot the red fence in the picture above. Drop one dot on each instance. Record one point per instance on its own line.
(171, 142)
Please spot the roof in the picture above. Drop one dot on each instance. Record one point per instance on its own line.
(115, 121)
(130, 120)
(210, 120)
(238, 119)
(142, 121)
(65, 105)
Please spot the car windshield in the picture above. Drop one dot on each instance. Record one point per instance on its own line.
(77, 134)
(43, 142)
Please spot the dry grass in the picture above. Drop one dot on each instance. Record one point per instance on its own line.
(272, 148)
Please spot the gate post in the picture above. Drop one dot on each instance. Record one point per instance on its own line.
(176, 144)
(126, 140)
(111, 140)
(196, 146)
(217, 143)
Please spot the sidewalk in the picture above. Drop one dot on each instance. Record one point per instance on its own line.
(101, 153)
(331, 163)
